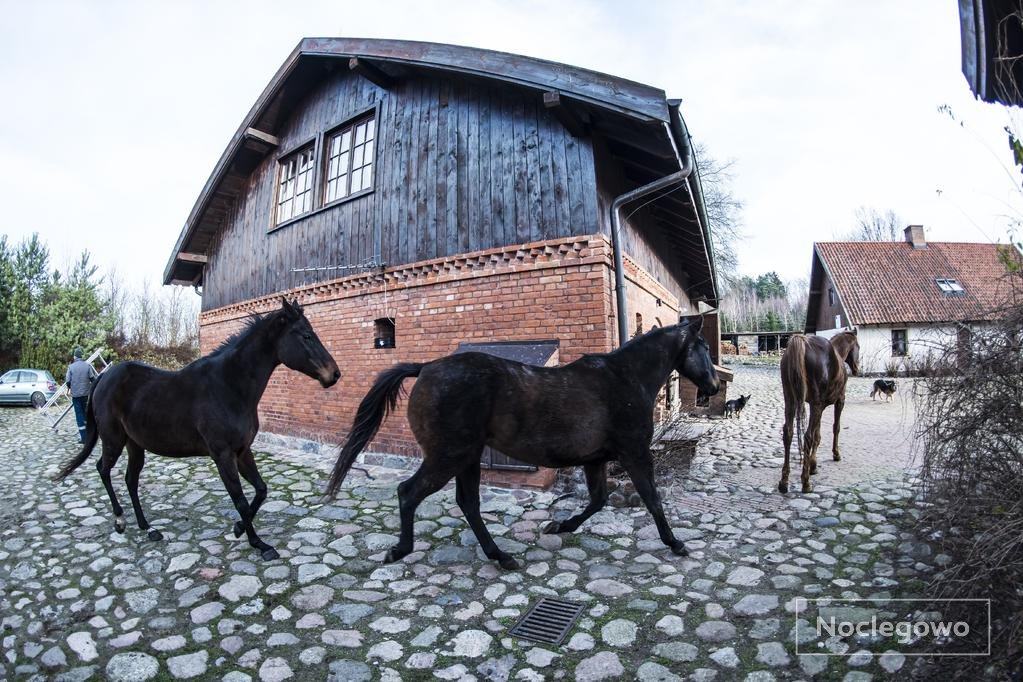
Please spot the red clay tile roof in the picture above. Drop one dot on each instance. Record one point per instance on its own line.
(883, 282)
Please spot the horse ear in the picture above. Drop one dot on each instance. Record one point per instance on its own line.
(696, 324)
(291, 308)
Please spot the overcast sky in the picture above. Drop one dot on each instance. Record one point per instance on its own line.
(115, 113)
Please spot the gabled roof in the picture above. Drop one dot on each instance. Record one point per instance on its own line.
(893, 283)
(644, 130)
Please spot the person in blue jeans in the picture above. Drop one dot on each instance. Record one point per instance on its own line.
(79, 377)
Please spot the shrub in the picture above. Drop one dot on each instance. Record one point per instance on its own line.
(970, 421)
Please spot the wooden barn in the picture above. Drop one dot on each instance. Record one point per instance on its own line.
(419, 199)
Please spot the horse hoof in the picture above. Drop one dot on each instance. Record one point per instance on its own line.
(552, 528)
(680, 550)
(155, 535)
(119, 524)
(269, 554)
(238, 529)
(393, 555)
(807, 488)
(837, 457)
(509, 563)
(783, 488)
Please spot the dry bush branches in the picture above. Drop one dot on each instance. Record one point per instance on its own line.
(970, 422)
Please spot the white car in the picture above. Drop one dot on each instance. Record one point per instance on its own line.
(26, 387)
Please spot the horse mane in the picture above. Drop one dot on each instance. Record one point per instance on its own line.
(851, 336)
(252, 323)
(649, 334)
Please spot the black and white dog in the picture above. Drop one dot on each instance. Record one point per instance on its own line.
(886, 387)
(734, 407)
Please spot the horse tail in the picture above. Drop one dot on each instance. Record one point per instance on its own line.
(378, 403)
(91, 436)
(794, 383)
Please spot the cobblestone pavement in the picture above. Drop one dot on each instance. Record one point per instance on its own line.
(79, 601)
(740, 460)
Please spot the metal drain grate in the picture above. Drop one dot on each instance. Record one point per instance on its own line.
(549, 621)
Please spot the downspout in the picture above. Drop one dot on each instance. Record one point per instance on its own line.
(687, 164)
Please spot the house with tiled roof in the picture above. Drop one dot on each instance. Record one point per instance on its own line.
(904, 299)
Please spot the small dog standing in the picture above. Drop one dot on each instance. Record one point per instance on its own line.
(734, 407)
(886, 387)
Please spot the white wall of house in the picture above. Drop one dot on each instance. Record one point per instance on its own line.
(876, 345)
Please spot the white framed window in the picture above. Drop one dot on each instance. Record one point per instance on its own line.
(350, 152)
(295, 185)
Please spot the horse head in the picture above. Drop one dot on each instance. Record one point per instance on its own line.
(299, 348)
(695, 363)
(847, 346)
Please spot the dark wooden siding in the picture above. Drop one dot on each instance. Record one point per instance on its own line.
(459, 167)
(825, 313)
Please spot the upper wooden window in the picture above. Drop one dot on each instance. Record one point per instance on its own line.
(295, 185)
(350, 155)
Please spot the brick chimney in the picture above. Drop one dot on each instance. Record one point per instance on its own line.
(915, 236)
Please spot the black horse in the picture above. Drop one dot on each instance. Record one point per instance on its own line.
(206, 408)
(592, 411)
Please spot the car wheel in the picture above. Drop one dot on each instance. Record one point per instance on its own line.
(38, 399)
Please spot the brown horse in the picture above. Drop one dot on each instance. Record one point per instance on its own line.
(813, 371)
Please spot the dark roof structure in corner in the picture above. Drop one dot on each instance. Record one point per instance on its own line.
(642, 129)
(893, 283)
(991, 33)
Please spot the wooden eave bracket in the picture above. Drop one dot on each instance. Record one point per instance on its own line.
(193, 257)
(261, 136)
(559, 106)
(370, 72)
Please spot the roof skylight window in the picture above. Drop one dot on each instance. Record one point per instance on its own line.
(950, 287)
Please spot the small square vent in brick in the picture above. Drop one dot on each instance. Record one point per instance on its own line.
(549, 621)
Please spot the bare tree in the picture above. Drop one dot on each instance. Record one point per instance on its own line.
(749, 307)
(873, 225)
(724, 211)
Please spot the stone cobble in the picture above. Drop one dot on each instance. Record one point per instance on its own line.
(80, 601)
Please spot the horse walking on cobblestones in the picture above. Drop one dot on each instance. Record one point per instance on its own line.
(813, 371)
(206, 408)
(587, 413)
